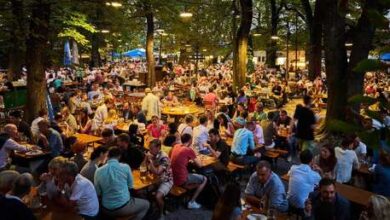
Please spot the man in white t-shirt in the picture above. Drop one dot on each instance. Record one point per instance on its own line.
(346, 160)
(201, 135)
(83, 197)
(360, 148)
(186, 127)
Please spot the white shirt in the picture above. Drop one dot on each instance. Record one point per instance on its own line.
(201, 135)
(100, 115)
(84, 193)
(9, 146)
(258, 134)
(151, 105)
(34, 126)
(346, 160)
(361, 149)
(184, 129)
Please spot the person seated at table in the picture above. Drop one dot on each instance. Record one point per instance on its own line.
(109, 138)
(257, 131)
(240, 109)
(381, 173)
(112, 119)
(84, 104)
(15, 117)
(82, 198)
(50, 139)
(7, 179)
(42, 114)
(131, 154)
(303, 180)
(210, 100)
(359, 147)
(98, 157)
(135, 137)
(138, 114)
(346, 160)
(220, 150)
(268, 131)
(186, 126)
(101, 114)
(265, 189)
(11, 205)
(95, 92)
(85, 122)
(243, 142)
(277, 94)
(259, 114)
(377, 208)
(69, 118)
(159, 164)
(229, 204)
(241, 98)
(49, 180)
(225, 126)
(78, 150)
(282, 131)
(211, 121)
(127, 114)
(157, 129)
(173, 136)
(326, 203)
(201, 136)
(170, 99)
(326, 161)
(8, 144)
(181, 155)
(112, 183)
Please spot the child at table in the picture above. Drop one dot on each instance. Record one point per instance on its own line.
(157, 129)
(159, 164)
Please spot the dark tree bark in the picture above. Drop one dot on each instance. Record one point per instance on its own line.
(18, 38)
(314, 25)
(335, 60)
(241, 44)
(151, 80)
(35, 58)
(272, 46)
(363, 36)
(183, 56)
(96, 60)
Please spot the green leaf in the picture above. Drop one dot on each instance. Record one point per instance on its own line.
(342, 126)
(384, 3)
(360, 99)
(374, 114)
(367, 65)
(378, 19)
(75, 35)
(371, 139)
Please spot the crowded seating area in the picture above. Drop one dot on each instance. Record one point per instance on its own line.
(108, 147)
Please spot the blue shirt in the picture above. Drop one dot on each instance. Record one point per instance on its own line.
(302, 182)
(112, 183)
(55, 143)
(273, 189)
(242, 140)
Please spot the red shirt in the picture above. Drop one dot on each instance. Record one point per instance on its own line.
(155, 130)
(210, 97)
(180, 156)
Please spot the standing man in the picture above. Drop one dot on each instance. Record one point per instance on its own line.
(306, 124)
(151, 105)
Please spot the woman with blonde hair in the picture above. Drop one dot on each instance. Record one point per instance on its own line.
(378, 208)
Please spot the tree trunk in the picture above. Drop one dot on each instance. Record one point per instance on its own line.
(363, 36)
(335, 60)
(95, 55)
(183, 56)
(241, 44)
(149, 45)
(314, 25)
(35, 59)
(272, 46)
(18, 38)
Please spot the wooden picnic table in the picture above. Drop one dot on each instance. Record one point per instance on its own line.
(207, 160)
(180, 110)
(87, 139)
(353, 194)
(363, 169)
(31, 155)
(255, 210)
(139, 184)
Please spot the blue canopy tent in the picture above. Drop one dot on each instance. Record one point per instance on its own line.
(136, 53)
(67, 54)
(385, 57)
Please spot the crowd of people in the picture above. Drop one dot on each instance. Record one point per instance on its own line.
(240, 128)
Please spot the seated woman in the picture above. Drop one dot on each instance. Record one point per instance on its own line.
(378, 208)
(135, 137)
(170, 99)
(111, 120)
(98, 157)
(229, 204)
(326, 161)
(85, 122)
(157, 129)
(172, 138)
(225, 127)
(78, 149)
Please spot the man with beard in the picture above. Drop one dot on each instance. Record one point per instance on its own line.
(326, 203)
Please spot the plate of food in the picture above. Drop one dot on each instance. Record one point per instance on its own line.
(34, 152)
(256, 217)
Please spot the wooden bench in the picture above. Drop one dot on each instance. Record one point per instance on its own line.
(273, 155)
(176, 196)
(232, 167)
(177, 191)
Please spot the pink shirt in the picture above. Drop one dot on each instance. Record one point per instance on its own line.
(155, 130)
(210, 97)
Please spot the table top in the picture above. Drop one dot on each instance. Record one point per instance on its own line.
(123, 126)
(86, 138)
(136, 94)
(180, 110)
(207, 160)
(254, 210)
(363, 169)
(26, 155)
(353, 194)
(139, 184)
